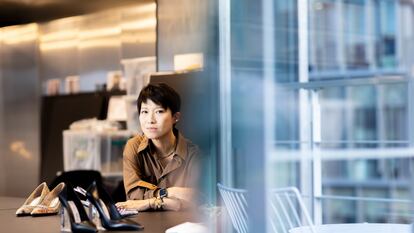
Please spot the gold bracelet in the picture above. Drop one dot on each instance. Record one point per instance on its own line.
(159, 203)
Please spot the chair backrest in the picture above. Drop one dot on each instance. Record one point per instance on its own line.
(82, 178)
(236, 204)
(288, 210)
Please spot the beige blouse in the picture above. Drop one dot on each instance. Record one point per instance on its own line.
(140, 163)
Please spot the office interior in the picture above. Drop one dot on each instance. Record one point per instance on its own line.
(311, 94)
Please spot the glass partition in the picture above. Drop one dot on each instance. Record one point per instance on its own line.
(322, 90)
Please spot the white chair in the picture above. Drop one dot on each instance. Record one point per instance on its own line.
(288, 210)
(236, 204)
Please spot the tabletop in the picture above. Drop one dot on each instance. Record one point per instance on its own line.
(156, 221)
(356, 228)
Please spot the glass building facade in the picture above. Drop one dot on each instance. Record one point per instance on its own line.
(321, 98)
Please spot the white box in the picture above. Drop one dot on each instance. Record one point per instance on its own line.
(100, 151)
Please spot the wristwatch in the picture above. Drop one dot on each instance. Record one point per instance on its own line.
(162, 193)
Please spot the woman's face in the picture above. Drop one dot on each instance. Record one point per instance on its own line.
(156, 122)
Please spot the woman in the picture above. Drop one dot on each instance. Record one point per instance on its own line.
(161, 166)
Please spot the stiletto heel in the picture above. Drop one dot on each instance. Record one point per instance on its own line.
(110, 217)
(79, 220)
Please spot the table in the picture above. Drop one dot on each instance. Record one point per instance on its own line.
(7, 203)
(356, 228)
(153, 221)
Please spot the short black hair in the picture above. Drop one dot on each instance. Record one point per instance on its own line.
(161, 94)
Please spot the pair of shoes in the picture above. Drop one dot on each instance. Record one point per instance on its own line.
(109, 216)
(41, 201)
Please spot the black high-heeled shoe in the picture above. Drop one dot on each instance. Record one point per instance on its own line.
(79, 220)
(109, 215)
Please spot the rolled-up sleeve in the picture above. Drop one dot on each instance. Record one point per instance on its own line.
(132, 173)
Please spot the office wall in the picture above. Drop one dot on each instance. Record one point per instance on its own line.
(186, 26)
(87, 46)
(2, 178)
(90, 46)
(21, 107)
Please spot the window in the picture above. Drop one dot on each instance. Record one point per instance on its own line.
(322, 91)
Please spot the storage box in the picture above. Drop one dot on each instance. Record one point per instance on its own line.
(100, 151)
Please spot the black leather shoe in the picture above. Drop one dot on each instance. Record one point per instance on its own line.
(109, 215)
(79, 220)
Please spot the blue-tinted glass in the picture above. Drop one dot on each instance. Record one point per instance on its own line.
(344, 128)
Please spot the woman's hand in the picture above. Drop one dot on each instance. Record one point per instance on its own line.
(178, 198)
(139, 205)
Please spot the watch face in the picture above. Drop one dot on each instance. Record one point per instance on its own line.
(163, 192)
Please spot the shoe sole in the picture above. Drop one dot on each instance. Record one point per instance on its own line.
(40, 215)
(23, 215)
